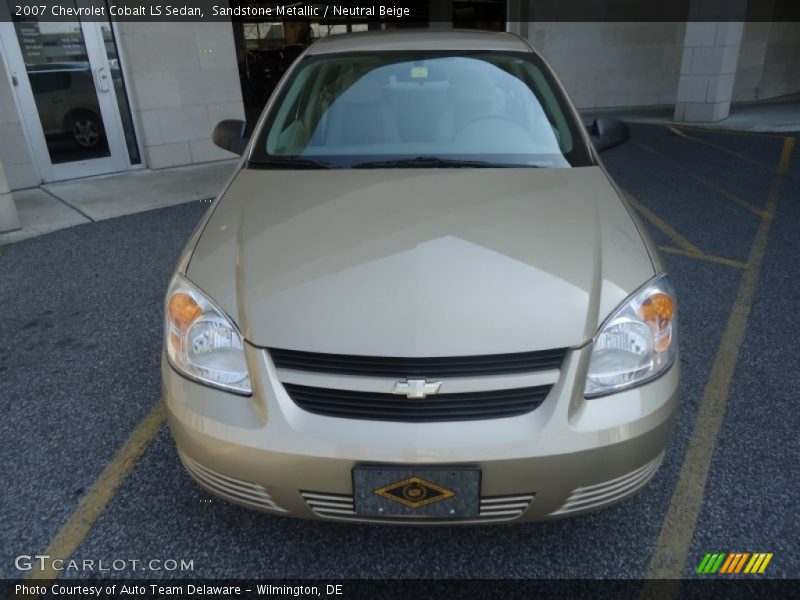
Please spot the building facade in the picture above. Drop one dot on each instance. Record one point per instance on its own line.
(87, 98)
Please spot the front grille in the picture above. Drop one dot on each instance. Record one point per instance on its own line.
(374, 406)
(432, 367)
(340, 506)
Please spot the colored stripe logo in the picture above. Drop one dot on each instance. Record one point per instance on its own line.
(736, 562)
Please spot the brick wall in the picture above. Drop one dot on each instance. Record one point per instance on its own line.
(769, 61)
(605, 65)
(183, 79)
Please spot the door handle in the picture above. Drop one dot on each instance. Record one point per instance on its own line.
(102, 79)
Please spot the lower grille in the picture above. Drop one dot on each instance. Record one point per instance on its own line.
(340, 506)
(373, 406)
(508, 507)
(230, 488)
(595, 496)
(329, 505)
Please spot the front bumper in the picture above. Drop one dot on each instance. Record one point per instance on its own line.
(568, 456)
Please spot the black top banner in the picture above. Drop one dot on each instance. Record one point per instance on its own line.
(401, 12)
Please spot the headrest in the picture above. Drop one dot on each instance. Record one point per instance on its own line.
(367, 90)
(472, 87)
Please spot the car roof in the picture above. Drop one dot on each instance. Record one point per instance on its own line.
(419, 39)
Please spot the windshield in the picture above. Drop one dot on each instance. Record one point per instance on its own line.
(396, 109)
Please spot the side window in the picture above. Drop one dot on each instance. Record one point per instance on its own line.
(289, 131)
(537, 81)
(50, 81)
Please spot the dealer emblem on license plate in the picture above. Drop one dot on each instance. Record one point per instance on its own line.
(415, 492)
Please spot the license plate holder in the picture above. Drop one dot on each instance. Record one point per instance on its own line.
(409, 492)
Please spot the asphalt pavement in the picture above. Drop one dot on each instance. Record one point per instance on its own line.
(80, 324)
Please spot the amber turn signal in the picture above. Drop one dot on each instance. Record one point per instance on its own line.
(182, 310)
(657, 311)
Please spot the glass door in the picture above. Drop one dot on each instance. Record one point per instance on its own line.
(69, 92)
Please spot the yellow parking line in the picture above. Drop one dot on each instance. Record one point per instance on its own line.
(786, 154)
(91, 506)
(721, 260)
(677, 530)
(728, 151)
(732, 197)
(670, 232)
(707, 182)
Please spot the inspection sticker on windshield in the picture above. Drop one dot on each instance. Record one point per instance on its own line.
(419, 72)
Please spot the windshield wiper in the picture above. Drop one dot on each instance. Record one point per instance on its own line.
(434, 162)
(291, 163)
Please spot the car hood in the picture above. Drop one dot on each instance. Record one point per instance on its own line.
(420, 262)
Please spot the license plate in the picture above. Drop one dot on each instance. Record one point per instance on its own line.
(433, 492)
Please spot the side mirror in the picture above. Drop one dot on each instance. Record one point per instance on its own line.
(607, 132)
(229, 135)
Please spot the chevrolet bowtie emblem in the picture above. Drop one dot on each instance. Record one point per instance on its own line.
(416, 388)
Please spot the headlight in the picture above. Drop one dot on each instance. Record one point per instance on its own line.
(201, 341)
(637, 343)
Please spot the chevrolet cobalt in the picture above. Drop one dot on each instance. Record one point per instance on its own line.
(420, 298)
